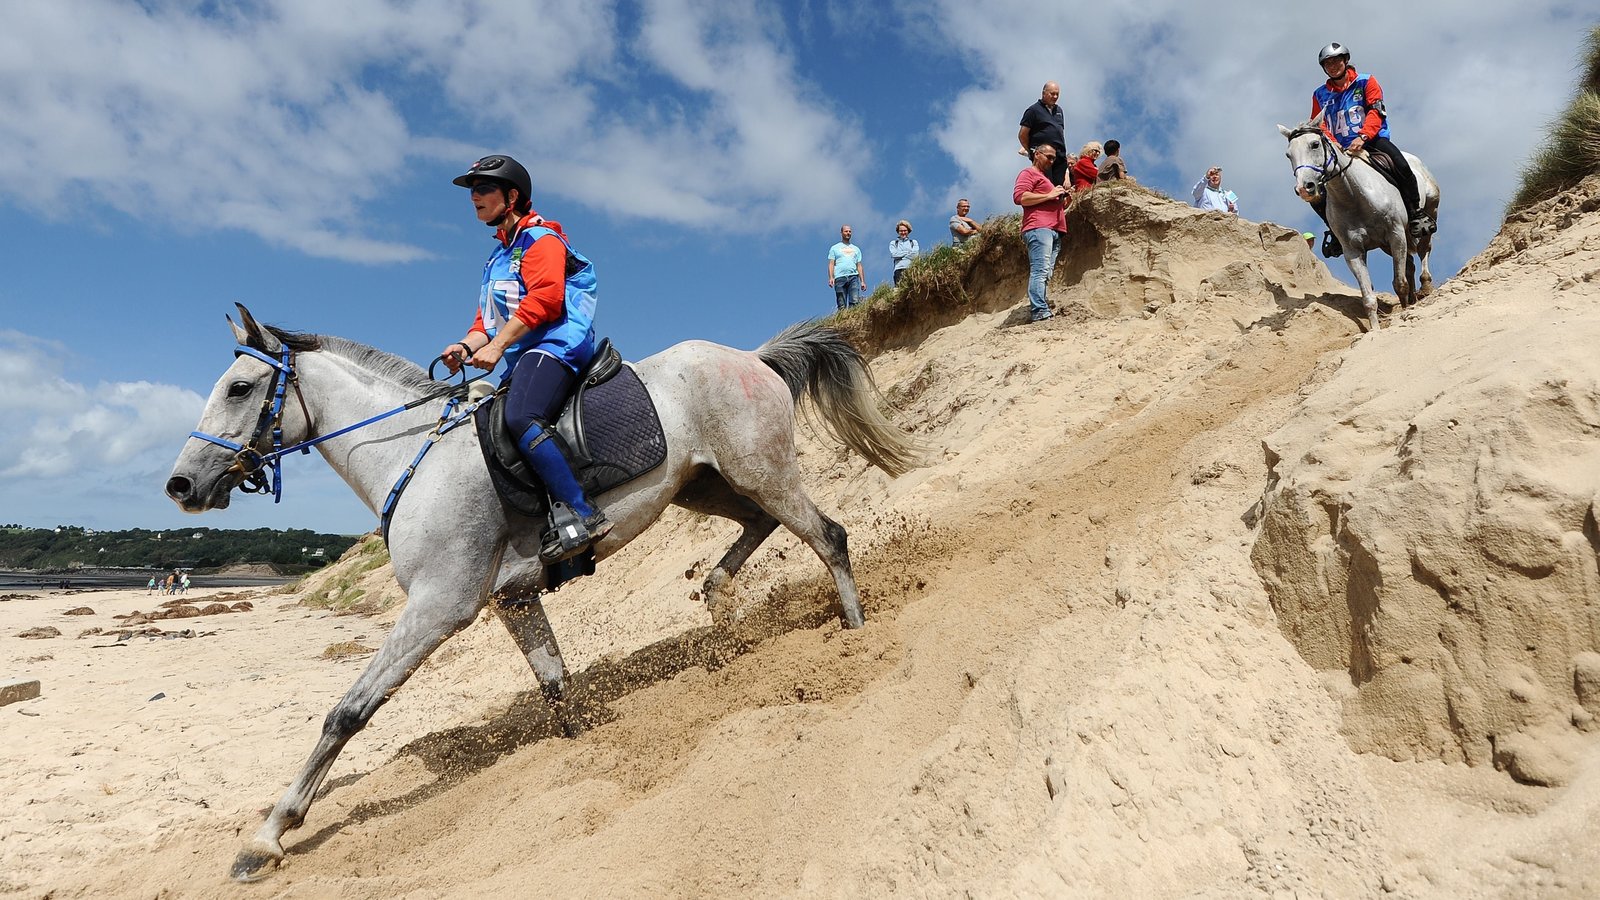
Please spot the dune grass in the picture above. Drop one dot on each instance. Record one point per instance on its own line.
(1572, 151)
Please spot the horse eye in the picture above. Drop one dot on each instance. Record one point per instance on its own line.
(239, 389)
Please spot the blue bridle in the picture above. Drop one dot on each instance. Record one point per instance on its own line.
(251, 462)
(1329, 154)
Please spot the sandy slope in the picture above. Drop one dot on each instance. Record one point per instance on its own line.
(1072, 682)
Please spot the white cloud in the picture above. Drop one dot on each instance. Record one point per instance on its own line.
(1188, 85)
(287, 118)
(60, 429)
(99, 454)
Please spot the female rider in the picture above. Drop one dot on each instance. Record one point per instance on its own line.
(1351, 106)
(540, 320)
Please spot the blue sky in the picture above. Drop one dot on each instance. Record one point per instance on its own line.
(161, 160)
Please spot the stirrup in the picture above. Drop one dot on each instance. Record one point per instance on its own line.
(571, 535)
(1422, 225)
(1330, 246)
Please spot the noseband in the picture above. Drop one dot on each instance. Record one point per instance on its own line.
(1330, 168)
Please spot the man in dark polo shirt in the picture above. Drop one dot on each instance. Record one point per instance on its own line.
(1044, 123)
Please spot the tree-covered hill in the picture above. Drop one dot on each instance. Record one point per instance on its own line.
(69, 546)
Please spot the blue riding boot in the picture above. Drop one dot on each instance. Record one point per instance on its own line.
(577, 524)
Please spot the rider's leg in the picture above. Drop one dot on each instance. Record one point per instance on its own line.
(539, 387)
(1406, 180)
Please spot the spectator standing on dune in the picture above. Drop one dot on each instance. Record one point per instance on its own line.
(1084, 173)
(1208, 193)
(1112, 168)
(963, 226)
(1045, 124)
(903, 249)
(845, 273)
(1043, 222)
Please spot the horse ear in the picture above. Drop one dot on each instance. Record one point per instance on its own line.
(254, 334)
(1285, 131)
(239, 335)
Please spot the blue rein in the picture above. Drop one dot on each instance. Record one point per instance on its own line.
(251, 462)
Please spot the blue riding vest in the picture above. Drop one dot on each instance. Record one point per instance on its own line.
(1345, 111)
(569, 338)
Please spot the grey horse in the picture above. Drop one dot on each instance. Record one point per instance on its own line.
(728, 416)
(1365, 212)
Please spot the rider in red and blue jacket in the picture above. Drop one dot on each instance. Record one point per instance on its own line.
(536, 312)
(1351, 105)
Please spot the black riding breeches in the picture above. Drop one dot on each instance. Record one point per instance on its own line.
(1404, 178)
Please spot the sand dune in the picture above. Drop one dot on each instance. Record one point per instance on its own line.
(1099, 661)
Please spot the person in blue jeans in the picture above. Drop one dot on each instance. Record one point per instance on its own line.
(845, 274)
(1043, 223)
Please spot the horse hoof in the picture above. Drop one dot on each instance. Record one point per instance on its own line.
(254, 863)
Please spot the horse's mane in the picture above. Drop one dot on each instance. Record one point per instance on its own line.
(379, 363)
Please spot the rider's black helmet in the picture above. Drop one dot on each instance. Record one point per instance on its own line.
(500, 168)
(1332, 50)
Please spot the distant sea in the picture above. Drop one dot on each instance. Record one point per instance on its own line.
(89, 579)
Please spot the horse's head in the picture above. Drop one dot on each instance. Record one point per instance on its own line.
(1312, 156)
(245, 407)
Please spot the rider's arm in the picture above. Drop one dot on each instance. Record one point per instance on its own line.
(1373, 123)
(543, 271)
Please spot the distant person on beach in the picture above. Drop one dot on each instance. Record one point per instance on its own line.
(169, 585)
(903, 249)
(1084, 173)
(845, 273)
(1044, 124)
(1043, 220)
(962, 226)
(152, 585)
(1112, 168)
(1208, 193)
(183, 584)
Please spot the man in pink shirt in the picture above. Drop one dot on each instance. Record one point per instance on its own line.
(1044, 220)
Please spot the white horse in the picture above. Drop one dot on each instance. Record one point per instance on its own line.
(728, 416)
(1365, 212)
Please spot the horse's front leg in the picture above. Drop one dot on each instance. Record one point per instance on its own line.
(431, 615)
(1357, 262)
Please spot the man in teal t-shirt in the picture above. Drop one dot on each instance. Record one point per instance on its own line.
(845, 275)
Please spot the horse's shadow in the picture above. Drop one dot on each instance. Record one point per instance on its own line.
(456, 754)
(1346, 305)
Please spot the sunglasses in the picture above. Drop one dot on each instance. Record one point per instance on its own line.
(485, 187)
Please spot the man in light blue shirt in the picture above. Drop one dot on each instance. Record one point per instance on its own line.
(845, 274)
(1208, 193)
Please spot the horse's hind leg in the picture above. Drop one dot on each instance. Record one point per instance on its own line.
(709, 493)
(787, 502)
(431, 616)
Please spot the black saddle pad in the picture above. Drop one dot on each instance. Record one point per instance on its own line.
(608, 429)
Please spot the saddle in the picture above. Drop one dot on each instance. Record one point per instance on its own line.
(1383, 164)
(608, 430)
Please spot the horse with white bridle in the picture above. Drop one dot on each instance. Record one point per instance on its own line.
(1364, 211)
(728, 418)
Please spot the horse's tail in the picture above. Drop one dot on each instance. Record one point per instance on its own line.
(813, 358)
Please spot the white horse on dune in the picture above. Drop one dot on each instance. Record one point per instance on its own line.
(728, 419)
(1365, 212)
